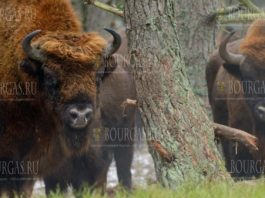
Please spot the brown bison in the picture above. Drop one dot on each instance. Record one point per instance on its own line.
(118, 123)
(236, 88)
(49, 104)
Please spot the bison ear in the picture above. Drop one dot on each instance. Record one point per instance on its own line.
(31, 67)
(234, 70)
(28, 67)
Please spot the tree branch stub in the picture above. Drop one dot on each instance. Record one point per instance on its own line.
(247, 139)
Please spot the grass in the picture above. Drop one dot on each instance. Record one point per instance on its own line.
(255, 189)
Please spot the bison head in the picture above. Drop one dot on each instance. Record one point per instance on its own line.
(251, 72)
(66, 67)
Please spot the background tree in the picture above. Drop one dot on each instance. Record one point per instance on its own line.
(239, 27)
(259, 3)
(94, 19)
(179, 133)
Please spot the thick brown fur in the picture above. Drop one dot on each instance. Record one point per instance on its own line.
(253, 44)
(58, 21)
(31, 128)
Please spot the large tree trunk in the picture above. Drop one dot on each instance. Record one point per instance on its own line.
(179, 133)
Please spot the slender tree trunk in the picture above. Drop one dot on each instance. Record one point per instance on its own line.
(241, 29)
(259, 3)
(179, 133)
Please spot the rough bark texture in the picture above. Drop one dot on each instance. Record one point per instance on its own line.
(179, 133)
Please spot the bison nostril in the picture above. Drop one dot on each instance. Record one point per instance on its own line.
(78, 117)
(73, 115)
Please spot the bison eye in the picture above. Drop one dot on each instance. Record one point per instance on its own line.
(27, 67)
(50, 79)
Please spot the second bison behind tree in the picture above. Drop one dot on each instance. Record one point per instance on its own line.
(236, 88)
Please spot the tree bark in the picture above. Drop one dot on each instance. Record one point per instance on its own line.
(179, 133)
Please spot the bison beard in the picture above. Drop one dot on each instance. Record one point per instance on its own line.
(240, 63)
(63, 62)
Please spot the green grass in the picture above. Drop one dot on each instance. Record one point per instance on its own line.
(255, 189)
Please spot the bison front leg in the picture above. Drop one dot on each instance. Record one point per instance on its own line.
(241, 164)
(52, 184)
(26, 188)
(13, 182)
(123, 155)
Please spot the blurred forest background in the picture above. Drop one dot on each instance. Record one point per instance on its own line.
(94, 19)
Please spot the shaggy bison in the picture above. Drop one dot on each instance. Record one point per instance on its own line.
(118, 123)
(49, 104)
(236, 87)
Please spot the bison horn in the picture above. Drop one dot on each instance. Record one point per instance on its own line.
(32, 53)
(115, 45)
(227, 56)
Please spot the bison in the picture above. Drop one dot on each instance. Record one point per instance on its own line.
(118, 123)
(54, 120)
(235, 78)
